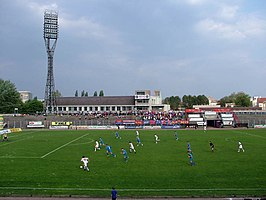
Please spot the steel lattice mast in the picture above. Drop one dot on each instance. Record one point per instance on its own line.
(50, 35)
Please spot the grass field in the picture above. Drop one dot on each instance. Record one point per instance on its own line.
(47, 163)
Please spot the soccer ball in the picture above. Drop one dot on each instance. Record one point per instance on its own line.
(80, 167)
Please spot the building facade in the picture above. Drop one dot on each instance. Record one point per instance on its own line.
(259, 101)
(142, 100)
(25, 95)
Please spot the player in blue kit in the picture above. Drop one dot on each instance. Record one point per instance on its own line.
(176, 136)
(138, 141)
(101, 142)
(188, 148)
(117, 136)
(124, 152)
(190, 156)
(109, 151)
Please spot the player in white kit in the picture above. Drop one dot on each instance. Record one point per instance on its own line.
(85, 161)
(131, 147)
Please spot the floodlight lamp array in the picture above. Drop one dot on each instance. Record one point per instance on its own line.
(50, 26)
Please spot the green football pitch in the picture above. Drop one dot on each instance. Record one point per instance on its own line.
(45, 162)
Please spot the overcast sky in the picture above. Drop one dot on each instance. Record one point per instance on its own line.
(180, 47)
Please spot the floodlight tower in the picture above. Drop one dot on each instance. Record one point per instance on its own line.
(50, 35)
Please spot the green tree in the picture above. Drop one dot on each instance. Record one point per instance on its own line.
(173, 101)
(95, 94)
(32, 106)
(226, 99)
(86, 94)
(83, 93)
(188, 101)
(9, 97)
(101, 94)
(76, 93)
(242, 100)
(57, 93)
(202, 100)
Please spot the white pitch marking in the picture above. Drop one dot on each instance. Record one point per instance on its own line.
(18, 157)
(135, 189)
(21, 134)
(63, 146)
(83, 142)
(12, 142)
(250, 134)
(18, 136)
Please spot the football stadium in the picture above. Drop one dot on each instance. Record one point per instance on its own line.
(137, 146)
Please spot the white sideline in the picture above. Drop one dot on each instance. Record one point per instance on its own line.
(135, 189)
(20, 157)
(63, 146)
(12, 142)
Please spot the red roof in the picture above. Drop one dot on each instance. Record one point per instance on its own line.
(261, 100)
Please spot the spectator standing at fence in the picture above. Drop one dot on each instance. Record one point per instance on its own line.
(114, 194)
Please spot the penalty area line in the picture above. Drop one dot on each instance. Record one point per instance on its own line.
(63, 146)
(83, 143)
(139, 190)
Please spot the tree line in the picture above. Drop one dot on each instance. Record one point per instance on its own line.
(239, 99)
(10, 100)
(86, 94)
(187, 101)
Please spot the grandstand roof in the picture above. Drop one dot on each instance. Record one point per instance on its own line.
(99, 100)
